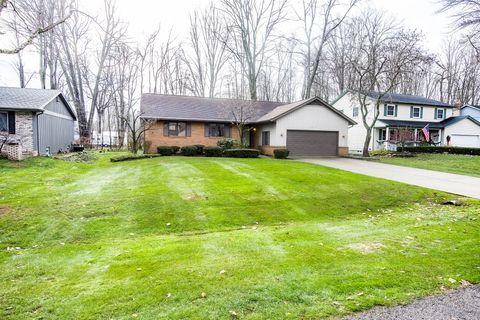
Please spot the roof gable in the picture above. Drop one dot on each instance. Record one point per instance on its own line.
(281, 111)
(452, 120)
(27, 99)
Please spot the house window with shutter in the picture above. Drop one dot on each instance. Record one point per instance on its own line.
(391, 110)
(265, 138)
(3, 121)
(177, 129)
(218, 130)
(416, 112)
(440, 113)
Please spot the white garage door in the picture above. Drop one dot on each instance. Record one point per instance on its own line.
(463, 140)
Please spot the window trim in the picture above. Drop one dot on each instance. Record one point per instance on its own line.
(266, 138)
(443, 113)
(393, 110)
(177, 129)
(224, 131)
(7, 129)
(419, 112)
(355, 112)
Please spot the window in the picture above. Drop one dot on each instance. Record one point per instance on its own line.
(265, 138)
(177, 129)
(217, 130)
(390, 110)
(416, 113)
(355, 112)
(440, 113)
(3, 121)
(382, 134)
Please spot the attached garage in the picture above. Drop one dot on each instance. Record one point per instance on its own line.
(308, 128)
(464, 140)
(311, 143)
(464, 131)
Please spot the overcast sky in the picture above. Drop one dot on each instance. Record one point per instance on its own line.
(143, 16)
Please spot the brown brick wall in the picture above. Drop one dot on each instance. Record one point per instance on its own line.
(154, 137)
(342, 151)
(268, 150)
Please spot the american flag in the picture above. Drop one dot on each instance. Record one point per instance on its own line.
(426, 132)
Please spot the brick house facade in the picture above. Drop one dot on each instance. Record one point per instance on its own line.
(156, 136)
(310, 127)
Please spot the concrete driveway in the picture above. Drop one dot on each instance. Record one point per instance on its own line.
(448, 182)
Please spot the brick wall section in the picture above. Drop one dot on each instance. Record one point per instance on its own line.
(154, 137)
(24, 131)
(268, 150)
(342, 151)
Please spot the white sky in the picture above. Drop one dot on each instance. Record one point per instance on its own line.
(143, 16)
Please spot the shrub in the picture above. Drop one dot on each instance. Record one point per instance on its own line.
(227, 143)
(165, 150)
(213, 151)
(200, 148)
(129, 157)
(446, 149)
(376, 153)
(242, 153)
(175, 149)
(189, 151)
(281, 153)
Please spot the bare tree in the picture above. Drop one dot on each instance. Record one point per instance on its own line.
(209, 52)
(251, 24)
(22, 9)
(320, 19)
(243, 113)
(467, 16)
(136, 127)
(383, 54)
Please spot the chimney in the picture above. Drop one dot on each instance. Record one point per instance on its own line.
(457, 105)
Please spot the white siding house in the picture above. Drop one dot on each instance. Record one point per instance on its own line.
(405, 113)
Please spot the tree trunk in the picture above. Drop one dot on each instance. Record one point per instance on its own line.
(366, 144)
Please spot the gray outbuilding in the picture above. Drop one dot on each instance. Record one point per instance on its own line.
(35, 122)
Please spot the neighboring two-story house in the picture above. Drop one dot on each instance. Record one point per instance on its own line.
(471, 110)
(401, 120)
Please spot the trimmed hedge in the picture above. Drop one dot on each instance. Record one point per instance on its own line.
(176, 149)
(212, 151)
(129, 157)
(451, 150)
(241, 153)
(200, 148)
(166, 150)
(227, 143)
(280, 153)
(189, 151)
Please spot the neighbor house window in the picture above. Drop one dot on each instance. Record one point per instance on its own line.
(218, 130)
(416, 112)
(382, 134)
(355, 112)
(390, 110)
(3, 121)
(440, 113)
(177, 129)
(265, 138)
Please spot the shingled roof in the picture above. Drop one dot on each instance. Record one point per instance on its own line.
(27, 99)
(408, 99)
(172, 107)
(399, 98)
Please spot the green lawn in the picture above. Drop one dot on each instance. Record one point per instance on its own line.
(453, 163)
(206, 238)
